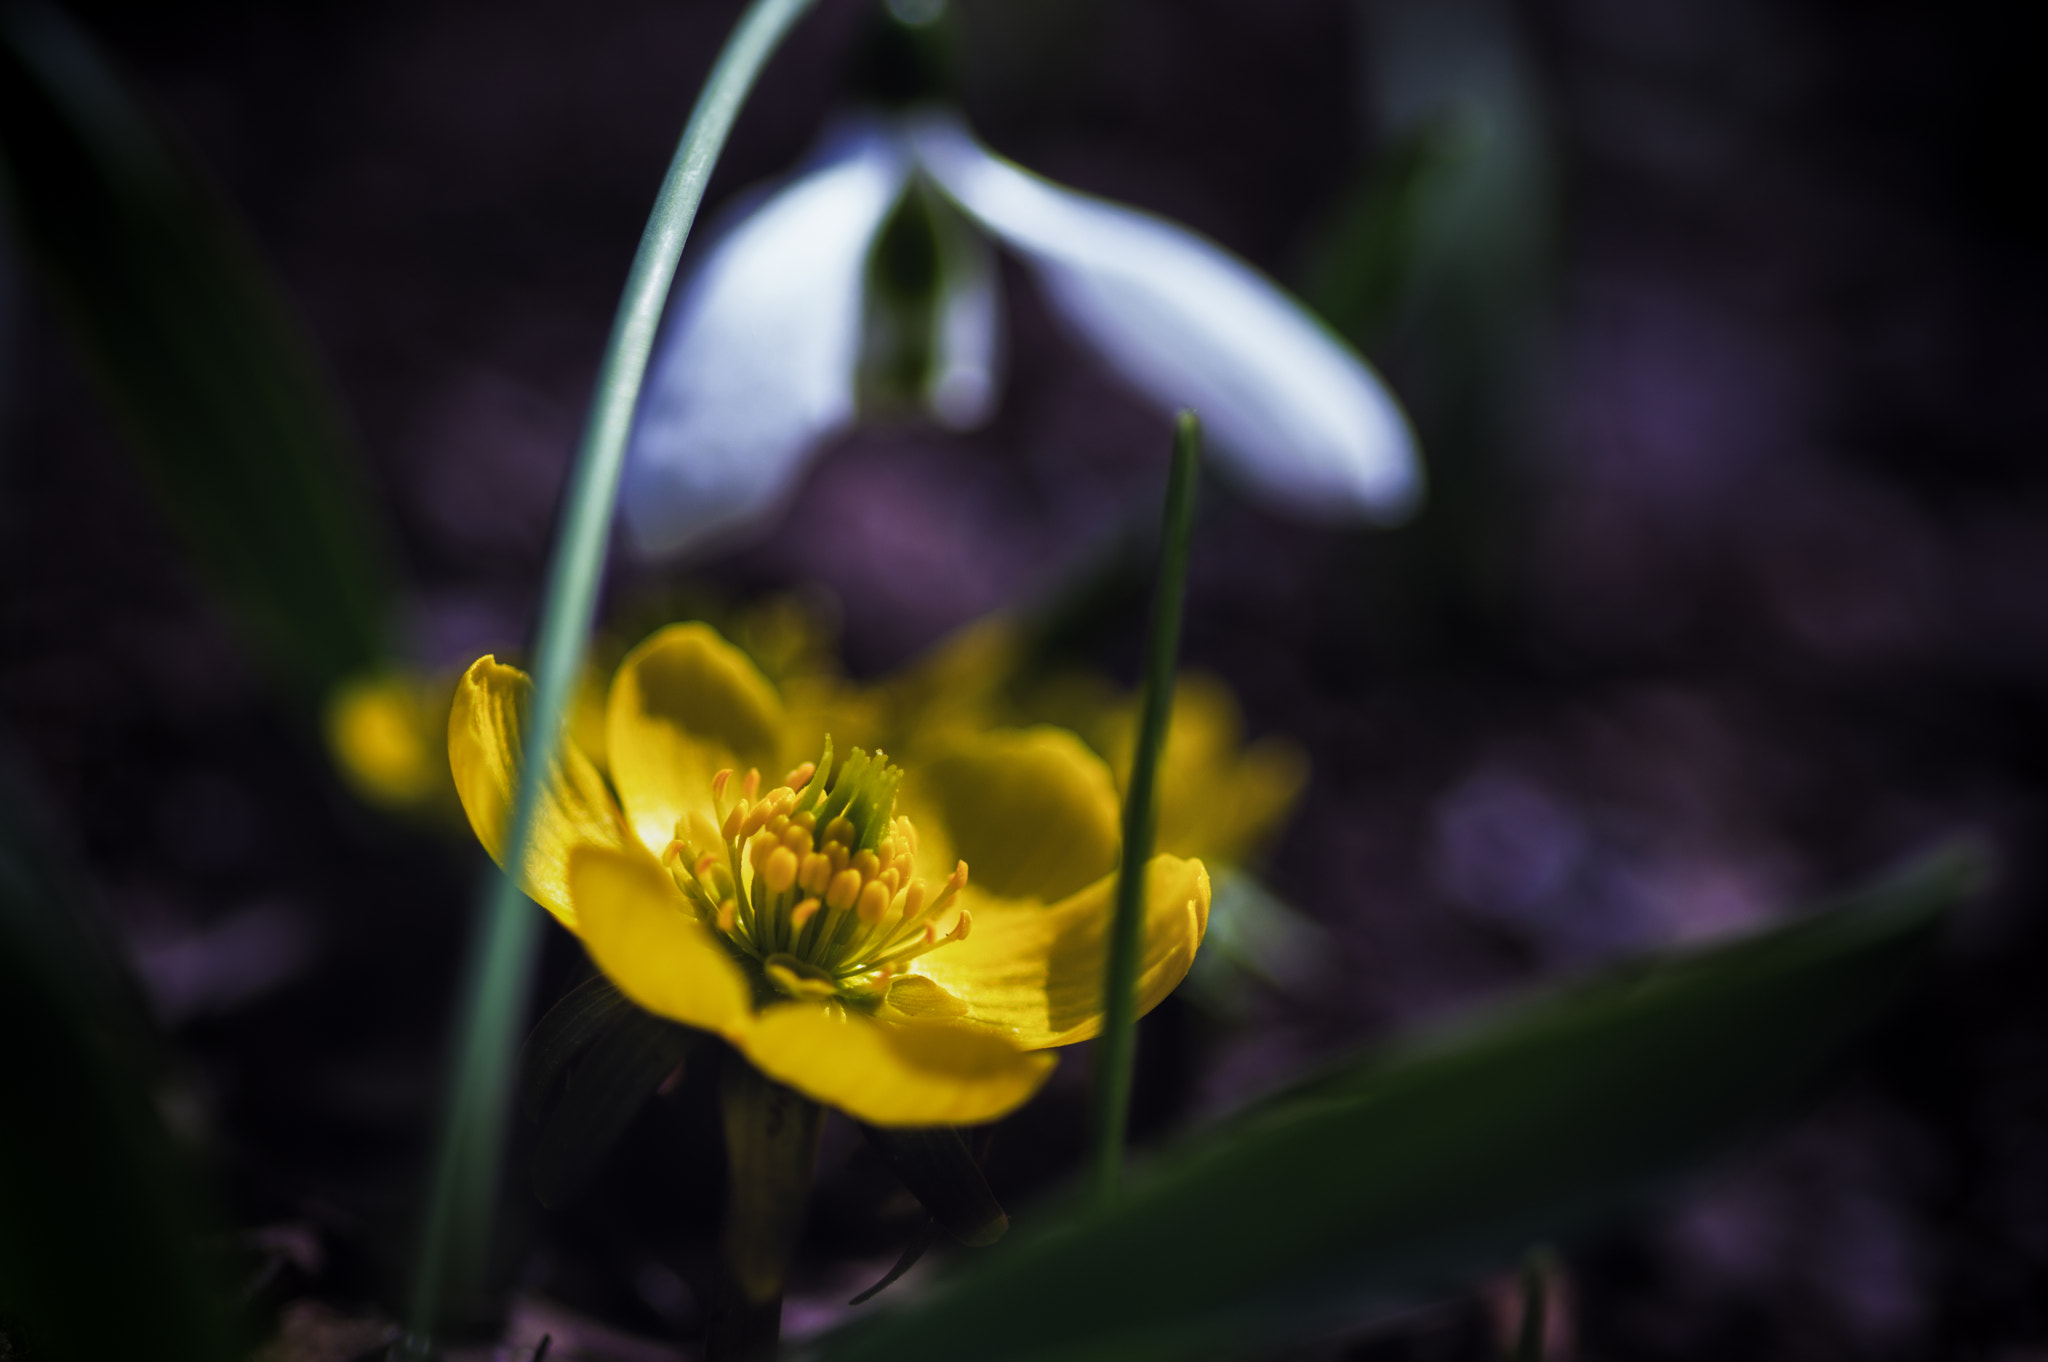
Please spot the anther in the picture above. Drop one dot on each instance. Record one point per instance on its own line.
(719, 782)
(779, 870)
(874, 901)
(673, 849)
(801, 776)
(728, 913)
(845, 887)
(731, 829)
(803, 913)
(704, 863)
(797, 839)
(840, 830)
(815, 873)
(959, 932)
(867, 864)
(752, 784)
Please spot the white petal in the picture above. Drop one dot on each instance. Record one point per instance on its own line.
(968, 356)
(1294, 412)
(756, 363)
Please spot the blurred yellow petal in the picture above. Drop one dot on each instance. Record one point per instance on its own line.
(957, 684)
(912, 1074)
(485, 742)
(1219, 798)
(385, 731)
(1033, 812)
(684, 704)
(647, 939)
(1035, 971)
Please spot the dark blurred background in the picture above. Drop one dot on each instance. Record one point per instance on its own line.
(1722, 327)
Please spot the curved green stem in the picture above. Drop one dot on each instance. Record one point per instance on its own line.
(1117, 1047)
(500, 967)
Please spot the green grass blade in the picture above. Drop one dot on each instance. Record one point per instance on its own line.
(453, 1243)
(1444, 1157)
(1116, 1050)
(212, 378)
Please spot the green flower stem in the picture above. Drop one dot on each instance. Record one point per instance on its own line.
(771, 1153)
(1117, 1046)
(1538, 1267)
(453, 1241)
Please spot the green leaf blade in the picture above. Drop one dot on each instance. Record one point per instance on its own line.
(212, 378)
(1439, 1157)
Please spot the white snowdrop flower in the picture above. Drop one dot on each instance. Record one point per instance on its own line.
(859, 284)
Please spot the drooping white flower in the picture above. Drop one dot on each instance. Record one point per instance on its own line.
(760, 359)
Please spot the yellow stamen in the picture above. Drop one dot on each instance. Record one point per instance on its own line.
(874, 901)
(845, 887)
(804, 912)
(779, 871)
(728, 913)
(718, 784)
(801, 776)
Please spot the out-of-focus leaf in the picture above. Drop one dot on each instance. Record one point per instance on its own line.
(1441, 1157)
(211, 376)
(614, 1056)
(1363, 264)
(99, 1253)
(935, 1163)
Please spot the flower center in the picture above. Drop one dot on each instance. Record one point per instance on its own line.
(812, 880)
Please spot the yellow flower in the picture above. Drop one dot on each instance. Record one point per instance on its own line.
(380, 729)
(1220, 798)
(827, 927)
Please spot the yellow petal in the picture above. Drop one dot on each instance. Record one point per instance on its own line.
(485, 742)
(912, 1074)
(684, 704)
(643, 934)
(1032, 811)
(1219, 798)
(1036, 971)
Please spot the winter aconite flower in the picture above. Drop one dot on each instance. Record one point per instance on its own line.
(867, 281)
(825, 921)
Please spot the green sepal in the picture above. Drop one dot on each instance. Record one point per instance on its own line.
(608, 1057)
(583, 1014)
(938, 1168)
